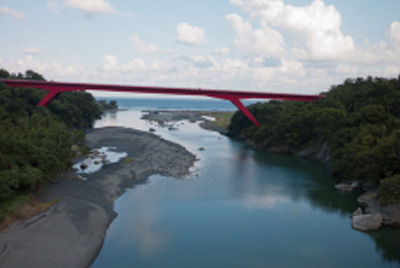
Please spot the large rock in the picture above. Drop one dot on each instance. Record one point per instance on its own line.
(367, 222)
(367, 198)
(319, 151)
(347, 186)
(357, 212)
(390, 213)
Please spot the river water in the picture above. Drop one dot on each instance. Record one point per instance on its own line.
(237, 208)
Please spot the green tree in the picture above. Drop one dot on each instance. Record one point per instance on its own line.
(359, 119)
(35, 142)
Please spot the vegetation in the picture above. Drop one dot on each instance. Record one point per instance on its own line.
(128, 160)
(222, 119)
(35, 142)
(104, 105)
(360, 120)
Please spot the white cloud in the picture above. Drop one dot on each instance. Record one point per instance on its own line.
(391, 70)
(230, 64)
(144, 48)
(31, 51)
(92, 6)
(253, 201)
(348, 69)
(49, 69)
(313, 28)
(203, 62)
(395, 34)
(134, 66)
(190, 35)
(302, 48)
(4, 11)
(199, 61)
(110, 63)
(263, 41)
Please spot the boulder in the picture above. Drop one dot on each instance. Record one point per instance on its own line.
(390, 213)
(367, 222)
(357, 212)
(84, 166)
(347, 186)
(79, 177)
(367, 198)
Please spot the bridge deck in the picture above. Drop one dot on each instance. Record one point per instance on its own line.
(235, 97)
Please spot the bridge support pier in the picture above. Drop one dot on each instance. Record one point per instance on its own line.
(48, 98)
(245, 111)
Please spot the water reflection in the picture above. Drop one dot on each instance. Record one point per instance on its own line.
(110, 118)
(318, 189)
(264, 201)
(149, 238)
(309, 180)
(388, 243)
(97, 158)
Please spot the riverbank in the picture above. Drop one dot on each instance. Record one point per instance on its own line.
(210, 120)
(71, 233)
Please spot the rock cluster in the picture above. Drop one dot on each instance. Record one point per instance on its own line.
(375, 215)
(366, 222)
(347, 186)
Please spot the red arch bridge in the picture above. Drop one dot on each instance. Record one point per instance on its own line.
(235, 97)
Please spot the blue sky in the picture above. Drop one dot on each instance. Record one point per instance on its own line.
(298, 46)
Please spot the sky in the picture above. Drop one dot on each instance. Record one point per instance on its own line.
(290, 46)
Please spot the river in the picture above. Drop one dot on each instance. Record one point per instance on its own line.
(238, 208)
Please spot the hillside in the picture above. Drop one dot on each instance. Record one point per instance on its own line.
(35, 142)
(355, 128)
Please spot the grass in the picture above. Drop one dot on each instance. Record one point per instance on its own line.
(21, 207)
(223, 119)
(128, 160)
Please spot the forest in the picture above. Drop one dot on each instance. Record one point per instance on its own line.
(35, 142)
(359, 120)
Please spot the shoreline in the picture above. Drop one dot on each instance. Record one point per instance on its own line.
(71, 233)
(168, 118)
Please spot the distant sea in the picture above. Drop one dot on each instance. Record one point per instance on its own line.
(175, 104)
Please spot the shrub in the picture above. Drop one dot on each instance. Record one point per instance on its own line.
(389, 190)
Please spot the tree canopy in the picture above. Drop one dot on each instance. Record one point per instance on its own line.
(35, 142)
(360, 120)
